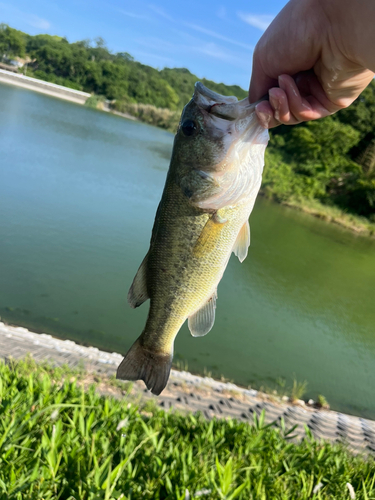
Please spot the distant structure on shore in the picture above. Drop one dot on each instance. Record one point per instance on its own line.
(9, 67)
(12, 77)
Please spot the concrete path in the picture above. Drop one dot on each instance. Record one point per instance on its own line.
(43, 87)
(188, 392)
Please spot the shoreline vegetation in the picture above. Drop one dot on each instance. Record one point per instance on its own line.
(64, 440)
(168, 120)
(325, 168)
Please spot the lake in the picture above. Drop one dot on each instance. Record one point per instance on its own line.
(78, 194)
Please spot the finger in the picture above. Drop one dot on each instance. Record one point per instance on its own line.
(276, 111)
(265, 115)
(295, 101)
(299, 106)
(310, 87)
(314, 105)
(280, 106)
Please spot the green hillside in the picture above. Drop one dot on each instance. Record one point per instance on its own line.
(93, 68)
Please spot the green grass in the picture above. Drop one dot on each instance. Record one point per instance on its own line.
(298, 390)
(354, 223)
(322, 402)
(58, 441)
(95, 101)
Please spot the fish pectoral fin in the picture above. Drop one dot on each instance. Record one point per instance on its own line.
(207, 242)
(242, 242)
(201, 322)
(138, 291)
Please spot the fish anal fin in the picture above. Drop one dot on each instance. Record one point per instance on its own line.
(151, 367)
(201, 322)
(242, 243)
(138, 291)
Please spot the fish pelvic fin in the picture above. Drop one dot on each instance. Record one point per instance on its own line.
(201, 322)
(242, 243)
(150, 366)
(138, 291)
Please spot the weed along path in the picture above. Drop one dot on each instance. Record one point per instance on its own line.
(190, 393)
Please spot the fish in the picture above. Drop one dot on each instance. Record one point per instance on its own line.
(203, 217)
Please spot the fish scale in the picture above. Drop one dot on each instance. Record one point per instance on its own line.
(210, 190)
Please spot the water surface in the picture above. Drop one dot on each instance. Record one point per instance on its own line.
(78, 194)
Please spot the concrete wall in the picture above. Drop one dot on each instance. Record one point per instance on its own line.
(44, 87)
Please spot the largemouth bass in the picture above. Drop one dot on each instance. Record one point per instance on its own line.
(212, 182)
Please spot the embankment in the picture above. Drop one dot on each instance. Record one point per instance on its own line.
(51, 89)
(190, 393)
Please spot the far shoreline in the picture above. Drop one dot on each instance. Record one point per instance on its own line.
(357, 225)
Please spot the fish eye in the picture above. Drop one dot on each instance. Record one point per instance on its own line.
(189, 127)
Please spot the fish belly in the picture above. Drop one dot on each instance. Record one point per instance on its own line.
(189, 251)
(186, 263)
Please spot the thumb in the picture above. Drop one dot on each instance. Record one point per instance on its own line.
(260, 82)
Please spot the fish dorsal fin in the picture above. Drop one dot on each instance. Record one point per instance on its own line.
(201, 322)
(138, 291)
(242, 242)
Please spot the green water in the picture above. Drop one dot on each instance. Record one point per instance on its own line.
(78, 194)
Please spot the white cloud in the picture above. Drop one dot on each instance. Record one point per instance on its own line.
(156, 43)
(37, 22)
(161, 13)
(219, 36)
(131, 14)
(31, 19)
(201, 29)
(151, 56)
(189, 44)
(260, 21)
(222, 12)
(212, 50)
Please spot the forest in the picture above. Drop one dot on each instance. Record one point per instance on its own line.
(331, 161)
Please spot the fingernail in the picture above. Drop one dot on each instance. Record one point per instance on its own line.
(306, 105)
(275, 103)
(280, 82)
(273, 99)
(264, 118)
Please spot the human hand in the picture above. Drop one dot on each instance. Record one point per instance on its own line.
(329, 48)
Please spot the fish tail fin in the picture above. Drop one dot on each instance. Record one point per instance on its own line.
(151, 367)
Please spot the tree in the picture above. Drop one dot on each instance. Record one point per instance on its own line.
(12, 42)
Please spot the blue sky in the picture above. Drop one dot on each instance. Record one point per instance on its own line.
(212, 39)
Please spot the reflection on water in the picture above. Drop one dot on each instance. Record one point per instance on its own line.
(78, 195)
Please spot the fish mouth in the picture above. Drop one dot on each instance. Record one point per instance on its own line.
(226, 107)
(206, 98)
